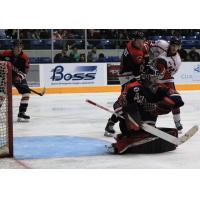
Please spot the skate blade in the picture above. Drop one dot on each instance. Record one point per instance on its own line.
(22, 120)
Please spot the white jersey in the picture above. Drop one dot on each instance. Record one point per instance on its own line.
(159, 50)
(158, 47)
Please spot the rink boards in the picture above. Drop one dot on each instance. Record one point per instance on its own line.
(101, 89)
(97, 77)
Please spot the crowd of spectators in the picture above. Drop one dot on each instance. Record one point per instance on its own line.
(96, 39)
(35, 34)
(39, 34)
(126, 34)
(192, 55)
(72, 55)
(123, 34)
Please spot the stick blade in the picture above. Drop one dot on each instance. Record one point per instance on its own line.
(192, 131)
(43, 91)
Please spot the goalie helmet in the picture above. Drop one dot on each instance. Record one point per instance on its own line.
(151, 74)
(150, 77)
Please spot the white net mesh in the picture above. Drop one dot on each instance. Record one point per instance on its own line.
(4, 143)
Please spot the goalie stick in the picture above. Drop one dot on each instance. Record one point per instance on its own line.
(154, 131)
(106, 109)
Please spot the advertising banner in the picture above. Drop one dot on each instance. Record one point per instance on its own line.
(189, 73)
(73, 74)
(112, 73)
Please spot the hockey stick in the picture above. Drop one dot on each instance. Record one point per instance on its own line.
(32, 90)
(154, 131)
(104, 108)
(39, 93)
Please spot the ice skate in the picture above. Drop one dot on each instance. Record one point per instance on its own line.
(23, 118)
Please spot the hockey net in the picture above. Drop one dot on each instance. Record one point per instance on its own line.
(6, 124)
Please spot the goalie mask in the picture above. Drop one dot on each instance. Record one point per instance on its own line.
(151, 74)
(150, 78)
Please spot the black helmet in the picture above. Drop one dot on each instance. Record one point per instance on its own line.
(17, 43)
(175, 40)
(137, 35)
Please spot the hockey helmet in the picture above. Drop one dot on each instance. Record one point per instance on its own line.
(175, 40)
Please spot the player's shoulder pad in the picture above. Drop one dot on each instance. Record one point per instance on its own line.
(129, 45)
(162, 43)
(135, 86)
(24, 56)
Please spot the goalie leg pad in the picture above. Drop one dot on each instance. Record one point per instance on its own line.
(125, 143)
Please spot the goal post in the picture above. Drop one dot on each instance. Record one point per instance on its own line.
(6, 116)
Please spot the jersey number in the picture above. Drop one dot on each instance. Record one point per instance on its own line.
(138, 98)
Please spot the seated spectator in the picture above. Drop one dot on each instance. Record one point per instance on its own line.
(2, 33)
(11, 33)
(57, 36)
(35, 34)
(62, 57)
(45, 34)
(183, 54)
(82, 58)
(101, 58)
(194, 55)
(74, 55)
(92, 55)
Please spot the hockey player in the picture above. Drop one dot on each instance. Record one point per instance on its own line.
(168, 61)
(144, 101)
(133, 60)
(20, 66)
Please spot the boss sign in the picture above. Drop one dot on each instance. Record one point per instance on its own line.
(73, 74)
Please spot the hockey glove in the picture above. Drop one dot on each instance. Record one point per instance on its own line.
(20, 76)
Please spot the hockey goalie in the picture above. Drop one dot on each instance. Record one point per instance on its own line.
(141, 102)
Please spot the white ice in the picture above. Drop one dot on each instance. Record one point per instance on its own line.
(68, 114)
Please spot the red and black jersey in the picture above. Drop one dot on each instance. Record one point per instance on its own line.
(21, 61)
(137, 93)
(133, 59)
(165, 98)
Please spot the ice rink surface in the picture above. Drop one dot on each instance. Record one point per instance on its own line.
(70, 132)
